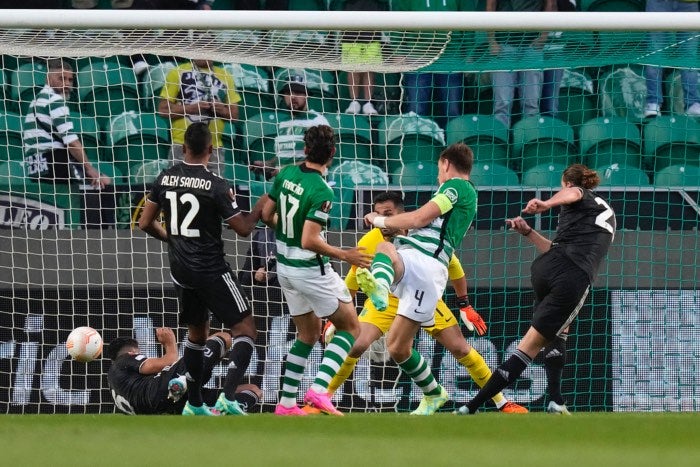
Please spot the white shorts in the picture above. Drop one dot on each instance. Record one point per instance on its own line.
(421, 287)
(309, 290)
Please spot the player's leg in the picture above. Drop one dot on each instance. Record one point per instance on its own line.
(215, 349)
(387, 266)
(368, 334)
(554, 361)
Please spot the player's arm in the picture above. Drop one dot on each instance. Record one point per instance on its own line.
(521, 226)
(269, 212)
(151, 366)
(244, 222)
(148, 222)
(312, 240)
(564, 196)
(411, 219)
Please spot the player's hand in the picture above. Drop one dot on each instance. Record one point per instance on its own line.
(328, 333)
(369, 218)
(261, 275)
(165, 336)
(470, 317)
(357, 257)
(535, 206)
(519, 225)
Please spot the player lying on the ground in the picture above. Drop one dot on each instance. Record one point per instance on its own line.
(374, 324)
(142, 385)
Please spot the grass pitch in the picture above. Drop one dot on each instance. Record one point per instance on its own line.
(359, 440)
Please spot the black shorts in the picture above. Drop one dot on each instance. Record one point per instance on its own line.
(560, 289)
(223, 296)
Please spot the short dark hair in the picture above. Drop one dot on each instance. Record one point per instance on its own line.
(320, 144)
(198, 138)
(461, 156)
(393, 196)
(58, 64)
(581, 176)
(115, 347)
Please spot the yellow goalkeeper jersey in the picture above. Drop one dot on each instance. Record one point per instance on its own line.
(369, 241)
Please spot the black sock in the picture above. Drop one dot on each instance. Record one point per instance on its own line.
(504, 375)
(240, 354)
(194, 362)
(247, 400)
(214, 350)
(554, 361)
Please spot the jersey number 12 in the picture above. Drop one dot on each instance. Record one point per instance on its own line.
(182, 228)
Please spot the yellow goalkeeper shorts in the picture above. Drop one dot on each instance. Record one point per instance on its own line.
(383, 319)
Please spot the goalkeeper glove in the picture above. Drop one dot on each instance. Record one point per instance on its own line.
(328, 333)
(470, 317)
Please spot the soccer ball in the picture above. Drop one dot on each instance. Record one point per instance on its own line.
(84, 344)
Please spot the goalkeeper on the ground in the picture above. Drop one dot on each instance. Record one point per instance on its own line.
(374, 324)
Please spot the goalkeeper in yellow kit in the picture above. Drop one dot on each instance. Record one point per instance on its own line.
(374, 323)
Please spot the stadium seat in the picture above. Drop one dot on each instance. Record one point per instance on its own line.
(489, 174)
(540, 140)
(11, 137)
(678, 176)
(144, 173)
(416, 173)
(112, 171)
(610, 140)
(259, 135)
(671, 140)
(612, 5)
(253, 84)
(320, 86)
(25, 82)
(620, 175)
(153, 83)
(544, 175)
(106, 89)
(623, 93)
(487, 136)
(409, 138)
(257, 189)
(354, 137)
(87, 128)
(134, 138)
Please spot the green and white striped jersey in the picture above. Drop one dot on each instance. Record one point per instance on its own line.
(457, 201)
(47, 124)
(301, 194)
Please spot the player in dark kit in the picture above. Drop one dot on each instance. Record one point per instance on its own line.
(141, 385)
(194, 201)
(562, 275)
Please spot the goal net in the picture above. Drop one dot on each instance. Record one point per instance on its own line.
(435, 79)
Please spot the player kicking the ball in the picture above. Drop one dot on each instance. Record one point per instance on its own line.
(416, 270)
(299, 203)
(374, 323)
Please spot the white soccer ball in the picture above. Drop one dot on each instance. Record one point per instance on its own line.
(84, 344)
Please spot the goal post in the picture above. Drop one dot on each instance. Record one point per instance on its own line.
(634, 345)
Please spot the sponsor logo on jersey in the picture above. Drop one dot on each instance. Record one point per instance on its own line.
(451, 194)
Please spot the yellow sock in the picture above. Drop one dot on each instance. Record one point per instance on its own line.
(343, 373)
(480, 372)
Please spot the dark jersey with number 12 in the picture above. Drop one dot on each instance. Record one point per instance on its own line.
(586, 229)
(194, 201)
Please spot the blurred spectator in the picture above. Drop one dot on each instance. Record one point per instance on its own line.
(521, 47)
(54, 153)
(551, 79)
(198, 91)
(289, 142)
(687, 45)
(361, 48)
(434, 95)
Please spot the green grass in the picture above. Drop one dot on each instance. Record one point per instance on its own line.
(361, 440)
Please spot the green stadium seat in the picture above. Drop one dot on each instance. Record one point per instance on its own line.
(610, 140)
(678, 176)
(106, 89)
(253, 84)
(544, 175)
(416, 173)
(487, 136)
(540, 140)
(320, 86)
(144, 173)
(25, 82)
(153, 83)
(613, 5)
(354, 136)
(620, 175)
(134, 138)
(87, 128)
(112, 171)
(623, 93)
(409, 138)
(490, 174)
(259, 135)
(238, 174)
(386, 95)
(672, 140)
(11, 137)
(257, 189)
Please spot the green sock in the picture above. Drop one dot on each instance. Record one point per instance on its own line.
(382, 269)
(417, 368)
(293, 372)
(333, 358)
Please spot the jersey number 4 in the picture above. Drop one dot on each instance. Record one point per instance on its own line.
(289, 206)
(182, 228)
